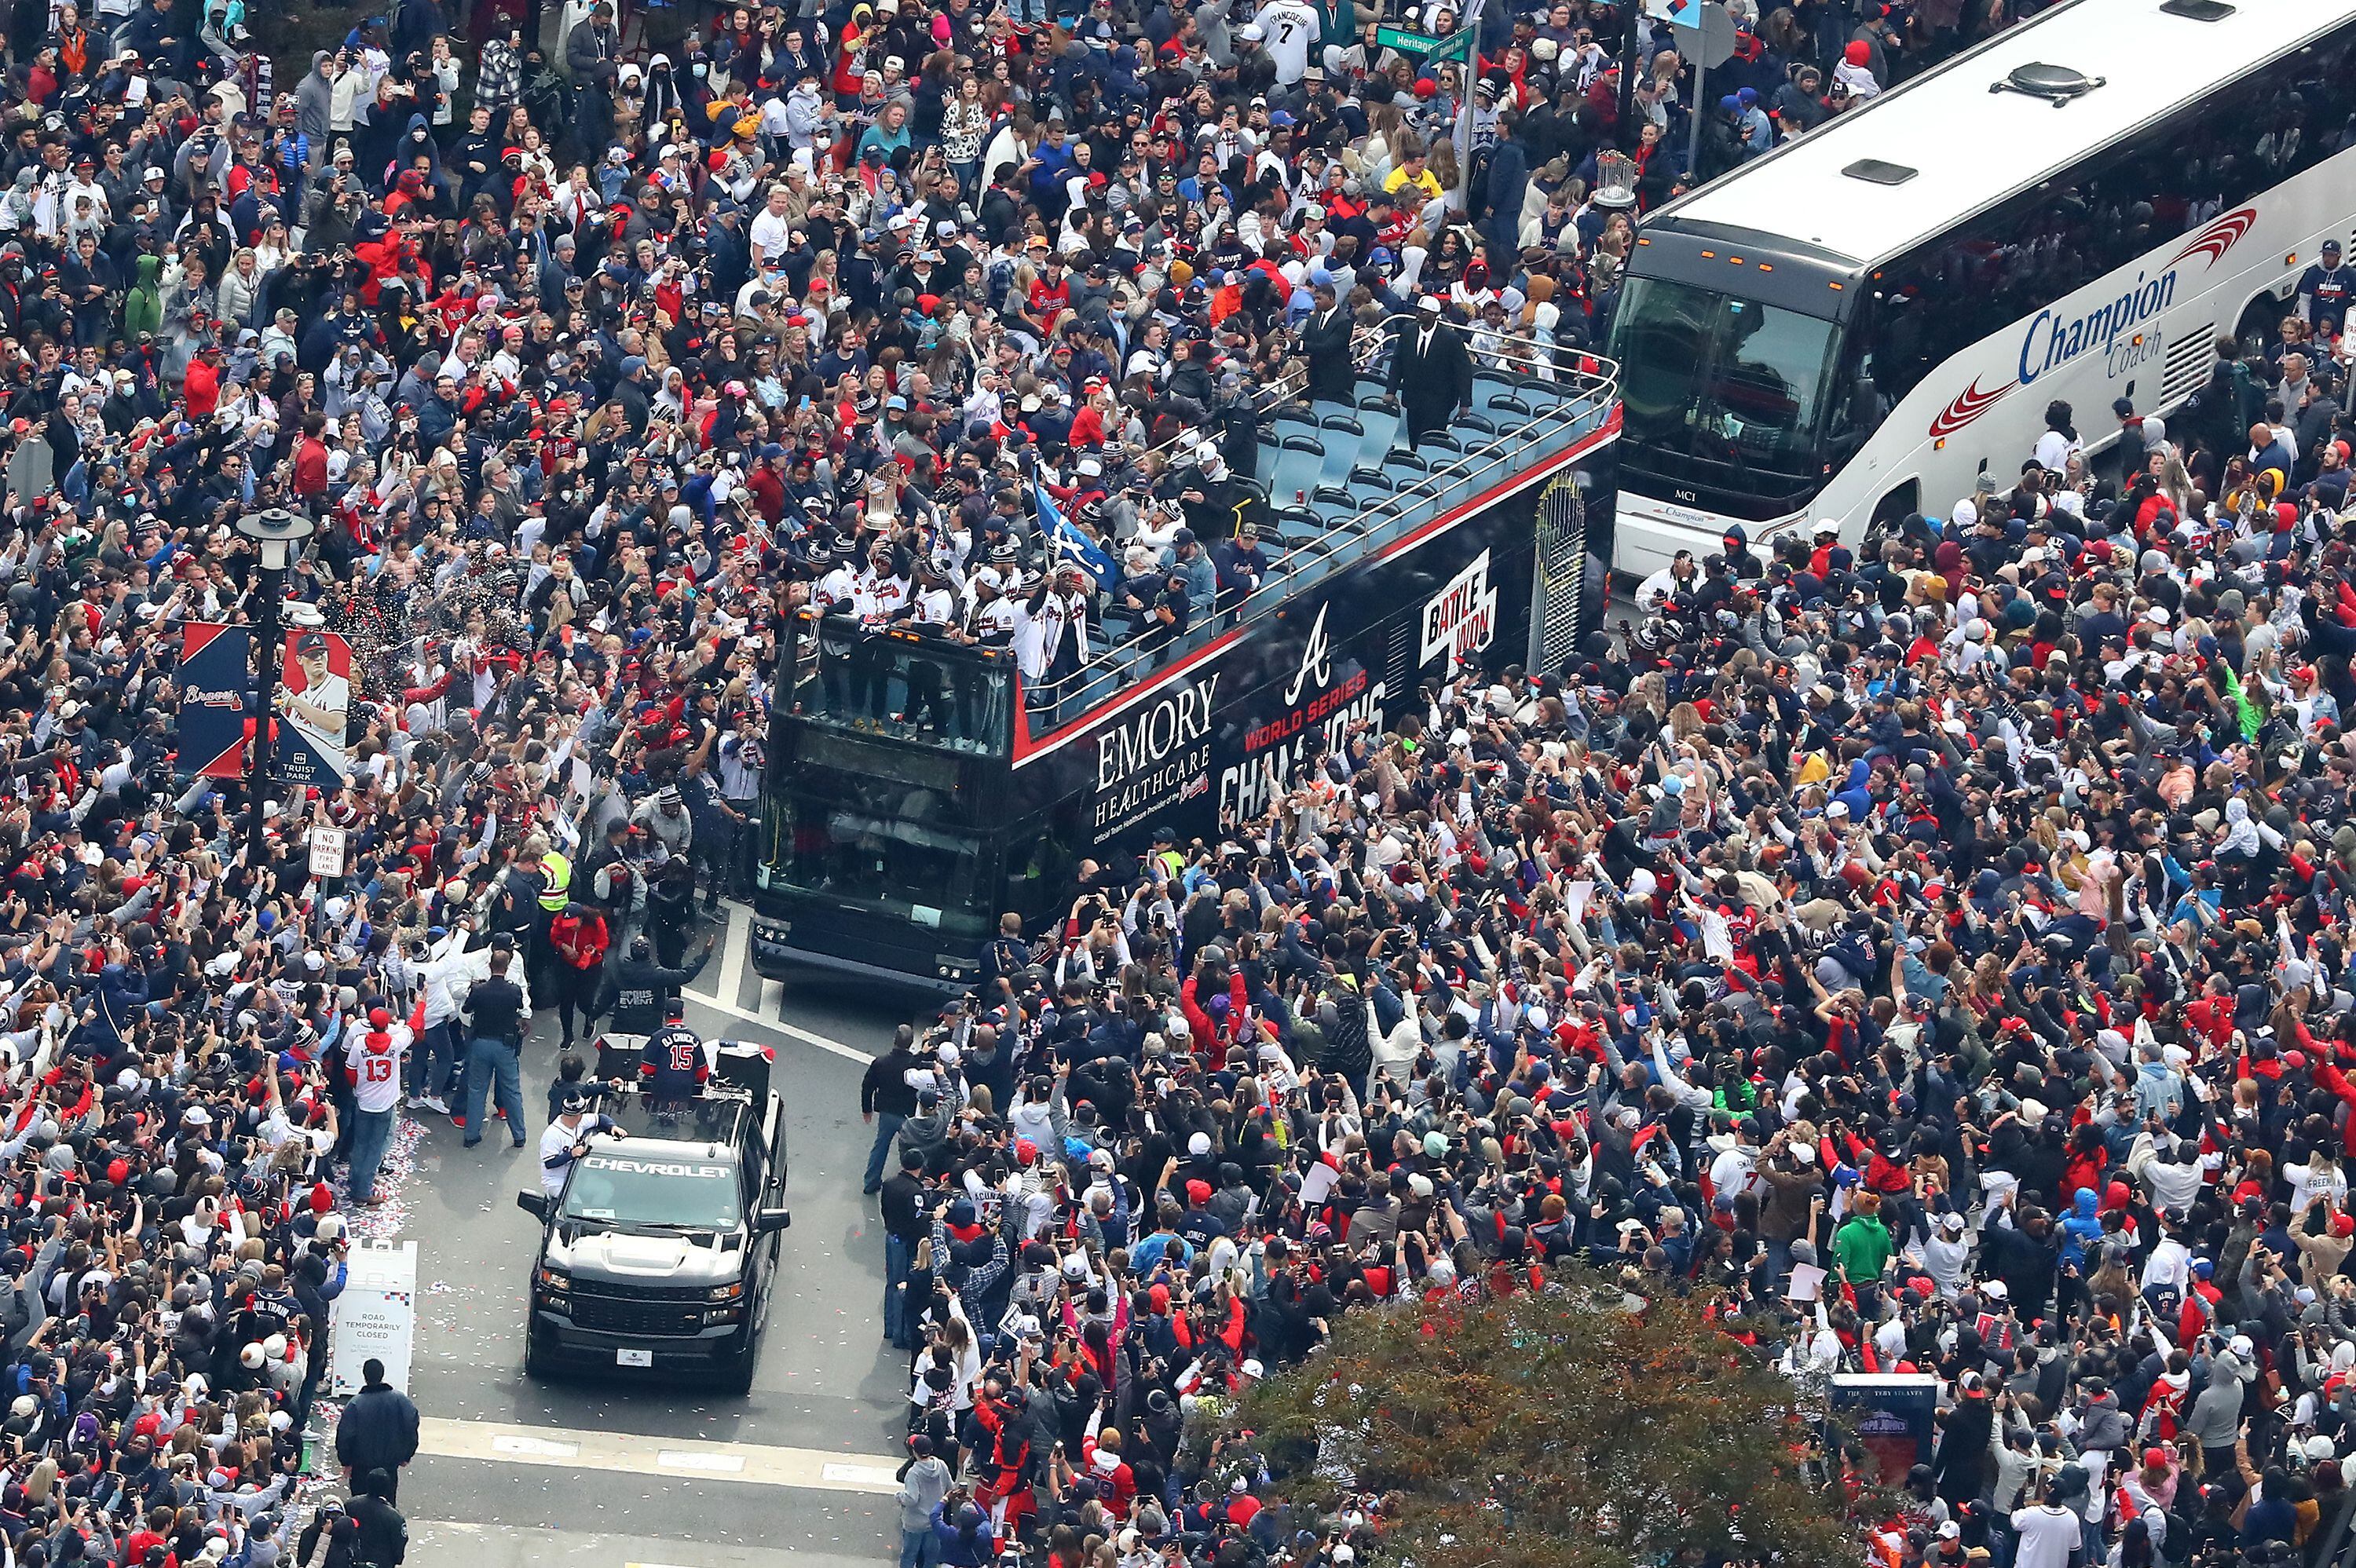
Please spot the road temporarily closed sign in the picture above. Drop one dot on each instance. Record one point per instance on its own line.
(375, 1317)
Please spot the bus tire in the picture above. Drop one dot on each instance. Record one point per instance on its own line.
(2259, 319)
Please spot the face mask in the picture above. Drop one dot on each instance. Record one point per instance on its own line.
(700, 67)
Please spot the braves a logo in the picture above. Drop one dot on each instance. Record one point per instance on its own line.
(1316, 662)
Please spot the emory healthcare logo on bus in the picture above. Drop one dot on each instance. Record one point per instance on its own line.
(1156, 758)
(2054, 340)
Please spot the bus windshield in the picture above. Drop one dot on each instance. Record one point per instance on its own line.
(1721, 390)
(856, 835)
(913, 686)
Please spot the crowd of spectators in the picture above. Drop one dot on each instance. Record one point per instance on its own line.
(1932, 950)
(1959, 916)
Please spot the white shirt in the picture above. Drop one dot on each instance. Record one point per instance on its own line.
(335, 695)
(2047, 1535)
(554, 1141)
(2053, 450)
(376, 1075)
(1288, 28)
(769, 234)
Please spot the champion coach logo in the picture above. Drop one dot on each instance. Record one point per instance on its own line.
(2220, 236)
(1969, 404)
(1316, 660)
(2117, 328)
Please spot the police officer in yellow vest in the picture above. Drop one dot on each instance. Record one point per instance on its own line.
(556, 891)
(1166, 852)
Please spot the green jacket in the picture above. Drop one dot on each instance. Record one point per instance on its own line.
(1862, 1246)
(143, 307)
(1337, 25)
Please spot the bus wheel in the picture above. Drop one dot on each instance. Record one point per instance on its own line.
(1892, 509)
(2257, 329)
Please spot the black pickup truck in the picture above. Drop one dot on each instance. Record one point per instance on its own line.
(660, 1251)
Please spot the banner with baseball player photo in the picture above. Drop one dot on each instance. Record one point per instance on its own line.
(313, 703)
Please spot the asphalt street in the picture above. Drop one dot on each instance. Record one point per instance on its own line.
(616, 1472)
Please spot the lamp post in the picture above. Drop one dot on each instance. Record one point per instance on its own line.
(278, 533)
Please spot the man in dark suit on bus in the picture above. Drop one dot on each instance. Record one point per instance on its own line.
(1431, 375)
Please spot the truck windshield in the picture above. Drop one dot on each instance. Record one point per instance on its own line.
(615, 1186)
(1720, 391)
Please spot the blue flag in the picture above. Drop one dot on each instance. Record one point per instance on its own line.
(1071, 545)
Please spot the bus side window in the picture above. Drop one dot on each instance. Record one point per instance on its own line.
(1858, 402)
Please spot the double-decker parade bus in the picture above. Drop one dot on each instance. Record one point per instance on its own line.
(889, 849)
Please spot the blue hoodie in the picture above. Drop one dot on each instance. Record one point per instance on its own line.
(2080, 1229)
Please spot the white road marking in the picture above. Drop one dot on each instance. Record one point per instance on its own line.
(626, 1454)
(866, 1474)
(536, 1448)
(831, 1047)
(731, 958)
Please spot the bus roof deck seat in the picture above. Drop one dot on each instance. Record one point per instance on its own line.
(1481, 423)
(1300, 525)
(1336, 498)
(1367, 479)
(1343, 436)
(1298, 465)
(1293, 414)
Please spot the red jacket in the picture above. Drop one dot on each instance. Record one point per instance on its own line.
(581, 941)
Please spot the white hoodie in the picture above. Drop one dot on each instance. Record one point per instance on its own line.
(451, 972)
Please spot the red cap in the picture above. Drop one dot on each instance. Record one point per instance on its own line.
(380, 1018)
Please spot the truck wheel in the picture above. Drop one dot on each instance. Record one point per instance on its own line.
(737, 1379)
(536, 1365)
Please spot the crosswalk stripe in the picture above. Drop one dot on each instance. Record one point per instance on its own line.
(746, 1015)
(625, 1452)
(731, 956)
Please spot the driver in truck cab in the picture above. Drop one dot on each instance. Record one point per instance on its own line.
(567, 1139)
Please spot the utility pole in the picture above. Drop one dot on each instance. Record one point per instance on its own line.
(279, 533)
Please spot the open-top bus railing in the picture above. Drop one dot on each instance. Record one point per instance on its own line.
(1579, 389)
(905, 682)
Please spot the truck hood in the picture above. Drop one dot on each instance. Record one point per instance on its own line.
(649, 1260)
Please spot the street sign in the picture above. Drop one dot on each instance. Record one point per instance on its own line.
(1708, 39)
(1424, 44)
(327, 852)
(375, 1318)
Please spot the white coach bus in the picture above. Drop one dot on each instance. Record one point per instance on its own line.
(1860, 322)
